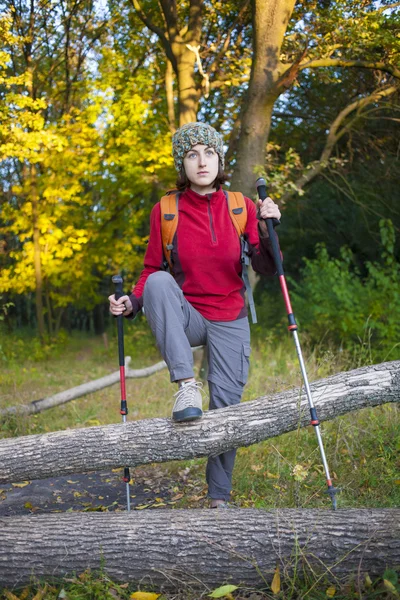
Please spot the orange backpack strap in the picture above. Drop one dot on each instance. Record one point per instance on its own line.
(237, 211)
(169, 223)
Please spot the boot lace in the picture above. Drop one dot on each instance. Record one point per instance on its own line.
(186, 394)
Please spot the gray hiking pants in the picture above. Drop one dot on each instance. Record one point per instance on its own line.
(177, 326)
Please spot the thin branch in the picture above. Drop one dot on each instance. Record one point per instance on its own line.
(351, 196)
(216, 63)
(383, 8)
(170, 14)
(158, 31)
(334, 135)
(362, 64)
(205, 76)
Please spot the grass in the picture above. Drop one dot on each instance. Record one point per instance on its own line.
(362, 448)
(98, 586)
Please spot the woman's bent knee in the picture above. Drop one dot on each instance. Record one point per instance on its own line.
(157, 283)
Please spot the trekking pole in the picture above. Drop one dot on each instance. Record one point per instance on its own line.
(117, 280)
(262, 194)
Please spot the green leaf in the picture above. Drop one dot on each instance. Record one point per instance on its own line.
(223, 591)
(391, 575)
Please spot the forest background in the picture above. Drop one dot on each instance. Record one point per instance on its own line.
(305, 94)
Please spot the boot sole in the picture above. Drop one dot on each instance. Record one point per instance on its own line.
(188, 414)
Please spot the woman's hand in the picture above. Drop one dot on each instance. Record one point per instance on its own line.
(268, 209)
(122, 306)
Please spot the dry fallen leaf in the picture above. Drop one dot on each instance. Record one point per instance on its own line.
(177, 497)
(144, 596)
(40, 594)
(389, 586)
(21, 485)
(331, 591)
(276, 582)
(24, 594)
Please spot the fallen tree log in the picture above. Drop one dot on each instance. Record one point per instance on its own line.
(172, 548)
(161, 440)
(84, 389)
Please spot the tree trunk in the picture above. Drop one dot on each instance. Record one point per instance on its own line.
(270, 20)
(199, 548)
(180, 45)
(36, 256)
(49, 310)
(169, 91)
(161, 440)
(188, 95)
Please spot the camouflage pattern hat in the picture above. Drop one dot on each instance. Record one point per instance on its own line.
(191, 134)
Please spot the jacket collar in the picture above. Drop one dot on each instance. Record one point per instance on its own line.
(213, 197)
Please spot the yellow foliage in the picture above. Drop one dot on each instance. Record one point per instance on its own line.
(144, 596)
(276, 582)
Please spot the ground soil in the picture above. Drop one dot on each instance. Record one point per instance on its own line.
(151, 487)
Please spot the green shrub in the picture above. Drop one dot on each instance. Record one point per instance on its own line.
(335, 302)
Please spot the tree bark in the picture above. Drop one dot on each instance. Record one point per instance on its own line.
(270, 21)
(161, 440)
(169, 91)
(37, 257)
(199, 548)
(176, 42)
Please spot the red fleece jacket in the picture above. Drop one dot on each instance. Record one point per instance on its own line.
(206, 255)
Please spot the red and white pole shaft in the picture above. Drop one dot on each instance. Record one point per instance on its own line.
(118, 281)
(292, 326)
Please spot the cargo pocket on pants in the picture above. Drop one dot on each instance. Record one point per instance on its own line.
(244, 365)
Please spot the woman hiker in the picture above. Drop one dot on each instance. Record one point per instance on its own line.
(203, 301)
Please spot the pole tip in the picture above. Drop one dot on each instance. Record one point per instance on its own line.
(332, 491)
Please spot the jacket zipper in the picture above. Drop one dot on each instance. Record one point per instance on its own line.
(213, 236)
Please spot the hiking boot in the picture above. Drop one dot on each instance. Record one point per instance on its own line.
(188, 403)
(220, 505)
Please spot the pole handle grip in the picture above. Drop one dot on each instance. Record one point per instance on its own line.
(262, 194)
(118, 281)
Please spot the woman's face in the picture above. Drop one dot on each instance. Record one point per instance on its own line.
(201, 167)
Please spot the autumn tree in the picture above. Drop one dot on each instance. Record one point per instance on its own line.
(44, 99)
(289, 40)
(205, 46)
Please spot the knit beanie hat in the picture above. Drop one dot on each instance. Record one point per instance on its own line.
(191, 134)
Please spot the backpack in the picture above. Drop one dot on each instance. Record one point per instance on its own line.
(236, 205)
